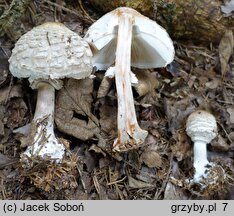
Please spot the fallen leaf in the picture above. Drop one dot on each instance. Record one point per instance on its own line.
(172, 191)
(174, 68)
(231, 135)
(104, 87)
(108, 118)
(147, 82)
(4, 71)
(225, 50)
(231, 113)
(228, 7)
(89, 161)
(177, 112)
(2, 114)
(5, 161)
(182, 147)
(220, 144)
(133, 183)
(73, 109)
(104, 162)
(147, 175)
(7, 93)
(151, 159)
(16, 113)
(96, 149)
(213, 84)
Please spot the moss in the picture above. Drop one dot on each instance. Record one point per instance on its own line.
(16, 11)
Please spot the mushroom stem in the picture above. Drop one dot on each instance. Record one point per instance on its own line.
(130, 135)
(44, 140)
(200, 159)
(45, 103)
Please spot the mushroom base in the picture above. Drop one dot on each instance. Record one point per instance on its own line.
(129, 140)
(45, 144)
(213, 178)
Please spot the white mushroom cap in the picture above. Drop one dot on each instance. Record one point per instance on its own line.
(201, 126)
(51, 51)
(151, 45)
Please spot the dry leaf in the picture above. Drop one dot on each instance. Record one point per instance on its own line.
(73, 109)
(225, 50)
(213, 84)
(228, 7)
(151, 159)
(147, 175)
(2, 114)
(5, 161)
(133, 183)
(172, 191)
(108, 118)
(89, 161)
(104, 87)
(177, 112)
(16, 112)
(231, 113)
(97, 150)
(4, 65)
(220, 144)
(231, 136)
(147, 82)
(7, 93)
(182, 148)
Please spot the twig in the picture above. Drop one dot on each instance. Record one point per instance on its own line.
(225, 102)
(3, 190)
(9, 90)
(96, 183)
(81, 17)
(156, 196)
(118, 181)
(82, 8)
(230, 140)
(81, 179)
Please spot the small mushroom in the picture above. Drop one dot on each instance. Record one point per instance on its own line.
(45, 55)
(126, 38)
(201, 127)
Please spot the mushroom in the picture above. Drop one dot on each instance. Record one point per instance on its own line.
(45, 55)
(201, 127)
(126, 38)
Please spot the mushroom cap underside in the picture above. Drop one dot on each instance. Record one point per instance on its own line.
(151, 45)
(146, 52)
(51, 51)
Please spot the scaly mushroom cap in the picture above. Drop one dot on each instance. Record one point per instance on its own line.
(51, 51)
(201, 126)
(151, 44)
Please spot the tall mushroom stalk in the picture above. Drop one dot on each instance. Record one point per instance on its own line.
(44, 140)
(126, 38)
(47, 54)
(130, 135)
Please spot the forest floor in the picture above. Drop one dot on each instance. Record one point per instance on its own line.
(161, 167)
